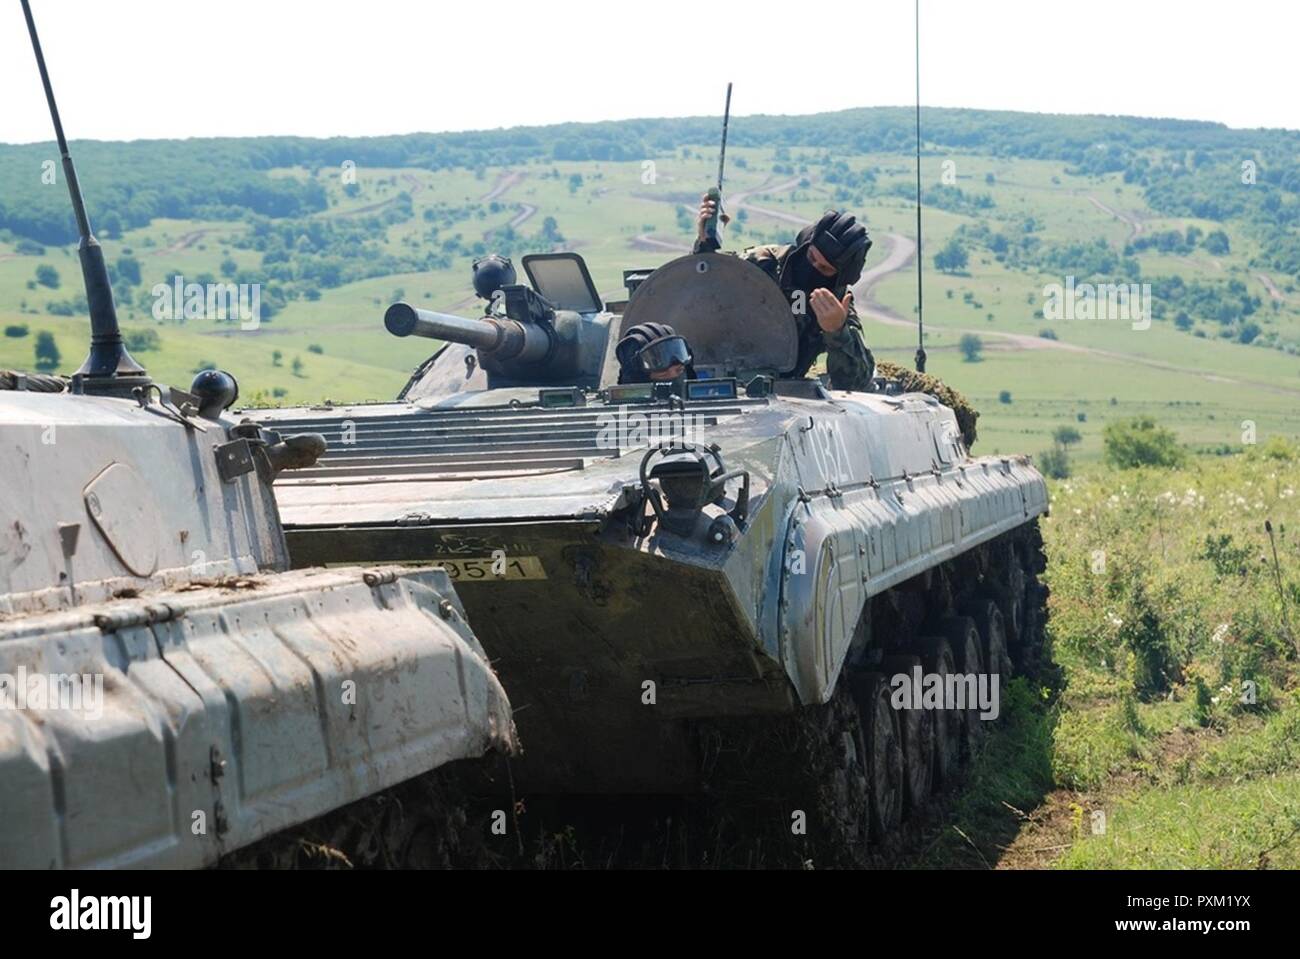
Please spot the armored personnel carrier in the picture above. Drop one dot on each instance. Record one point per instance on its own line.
(169, 690)
(691, 584)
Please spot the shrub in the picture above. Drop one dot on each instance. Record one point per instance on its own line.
(142, 341)
(1135, 442)
(1055, 463)
(971, 346)
(47, 351)
(1066, 436)
(47, 275)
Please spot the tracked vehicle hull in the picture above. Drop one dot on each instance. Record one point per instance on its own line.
(614, 640)
(169, 691)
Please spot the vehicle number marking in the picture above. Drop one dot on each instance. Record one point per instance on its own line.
(488, 569)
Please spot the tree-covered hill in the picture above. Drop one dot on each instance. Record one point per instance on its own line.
(1186, 167)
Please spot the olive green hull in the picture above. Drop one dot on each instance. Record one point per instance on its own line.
(608, 655)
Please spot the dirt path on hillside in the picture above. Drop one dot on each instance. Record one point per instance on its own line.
(504, 182)
(526, 211)
(1269, 285)
(184, 242)
(645, 241)
(363, 210)
(901, 251)
(413, 183)
(1135, 226)
(733, 202)
(522, 216)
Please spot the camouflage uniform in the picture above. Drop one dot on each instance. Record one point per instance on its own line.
(848, 361)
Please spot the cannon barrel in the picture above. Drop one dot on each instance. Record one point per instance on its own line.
(503, 339)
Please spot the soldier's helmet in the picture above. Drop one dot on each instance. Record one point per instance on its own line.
(842, 240)
(648, 349)
(492, 272)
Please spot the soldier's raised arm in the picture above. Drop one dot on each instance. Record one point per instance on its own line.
(703, 243)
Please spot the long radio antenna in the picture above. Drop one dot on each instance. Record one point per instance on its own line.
(713, 225)
(920, 311)
(722, 154)
(109, 368)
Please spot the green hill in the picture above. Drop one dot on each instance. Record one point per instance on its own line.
(333, 230)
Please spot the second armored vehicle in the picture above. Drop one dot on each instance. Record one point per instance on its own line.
(170, 692)
(650, 565)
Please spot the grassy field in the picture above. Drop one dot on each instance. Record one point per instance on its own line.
(1203, 388)
(1171, 738)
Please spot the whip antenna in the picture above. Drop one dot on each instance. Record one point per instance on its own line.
(713, 225)
(920, 313)
(109, 369)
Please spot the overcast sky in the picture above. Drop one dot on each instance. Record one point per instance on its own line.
(130, 69)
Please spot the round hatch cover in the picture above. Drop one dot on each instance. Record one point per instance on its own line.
(124, 510)
(732, 313)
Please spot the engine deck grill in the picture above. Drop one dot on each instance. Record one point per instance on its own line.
(419, 444)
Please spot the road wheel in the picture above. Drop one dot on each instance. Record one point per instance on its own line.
(1007, 587)
(964, 635)
(883, 739)
(993, 637)
(937, 657)
(917, 726)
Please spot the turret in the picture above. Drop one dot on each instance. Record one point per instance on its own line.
(523, 340)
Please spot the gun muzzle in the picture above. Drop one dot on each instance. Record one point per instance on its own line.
(503, 339)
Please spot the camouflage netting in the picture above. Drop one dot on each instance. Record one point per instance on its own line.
(36, 382)
(914, 382)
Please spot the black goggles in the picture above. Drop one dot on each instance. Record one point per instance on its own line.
(664, 354)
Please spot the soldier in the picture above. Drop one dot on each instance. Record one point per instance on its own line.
(815, 273)
(653, 352)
